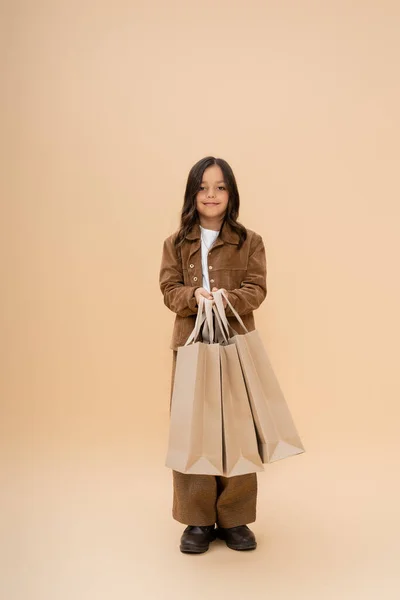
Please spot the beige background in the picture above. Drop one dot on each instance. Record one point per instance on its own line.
(106, 106)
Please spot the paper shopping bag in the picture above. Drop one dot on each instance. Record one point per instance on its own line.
(241, 453)
(195, 432)
(277, 435)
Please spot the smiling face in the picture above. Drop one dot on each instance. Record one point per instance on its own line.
(212, 198)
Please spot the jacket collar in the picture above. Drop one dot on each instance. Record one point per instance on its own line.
(227, 234)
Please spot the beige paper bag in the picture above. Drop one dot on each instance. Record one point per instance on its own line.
(277, 435)
(241, 454)
(195, 432)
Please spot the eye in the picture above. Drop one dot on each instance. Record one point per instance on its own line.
(202, 187)
(221, 187)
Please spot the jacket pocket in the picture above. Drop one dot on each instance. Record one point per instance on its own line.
(230, 279)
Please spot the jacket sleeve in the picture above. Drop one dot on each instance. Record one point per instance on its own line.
(178, 297)
(253, 289)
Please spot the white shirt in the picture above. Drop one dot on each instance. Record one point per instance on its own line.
(208, 237)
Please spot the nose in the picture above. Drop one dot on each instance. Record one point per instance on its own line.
(210, 194)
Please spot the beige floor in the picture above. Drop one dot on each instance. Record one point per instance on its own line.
(93, 525)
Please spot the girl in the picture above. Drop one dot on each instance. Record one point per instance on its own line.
(211, 250)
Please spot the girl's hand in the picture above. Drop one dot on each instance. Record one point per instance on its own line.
(223, 299)
(202, 292)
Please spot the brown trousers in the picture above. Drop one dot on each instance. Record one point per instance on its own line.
(206, 499)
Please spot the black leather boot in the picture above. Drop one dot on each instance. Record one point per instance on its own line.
(196, 540)
(237, 538)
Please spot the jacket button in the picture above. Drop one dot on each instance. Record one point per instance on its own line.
(210, 267)
(194, 278)
(191, 266)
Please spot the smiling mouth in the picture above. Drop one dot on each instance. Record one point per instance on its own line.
(211, 203)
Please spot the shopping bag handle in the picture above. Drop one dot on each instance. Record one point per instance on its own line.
(212, 333)
(204, 320)
(208, 327)
(219, 305)
(224, 327)
(219, 328)
(201, 316)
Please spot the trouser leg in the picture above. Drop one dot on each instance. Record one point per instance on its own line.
(194, 499)
(237, 500)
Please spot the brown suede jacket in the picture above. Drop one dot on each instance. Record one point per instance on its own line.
(241, 272)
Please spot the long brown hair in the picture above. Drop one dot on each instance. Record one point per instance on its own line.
(189, 214)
